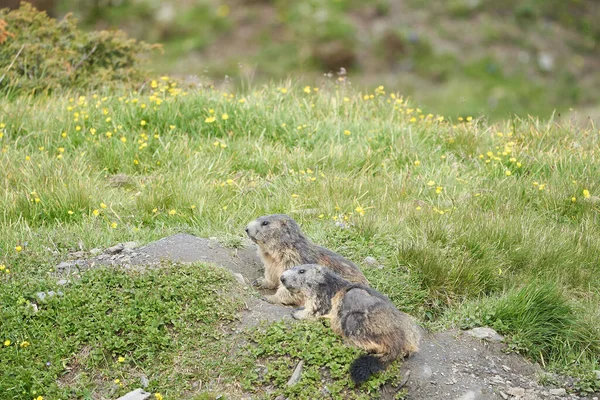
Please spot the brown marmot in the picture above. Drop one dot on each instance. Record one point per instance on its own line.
(282, 245)
(363, 316)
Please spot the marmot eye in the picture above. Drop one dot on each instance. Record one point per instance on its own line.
(265, 223)
(301, 271)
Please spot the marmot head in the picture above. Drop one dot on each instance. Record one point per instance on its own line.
(274, 230)
(304, 277)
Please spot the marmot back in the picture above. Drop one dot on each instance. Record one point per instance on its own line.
(282, 245)
(362, 315)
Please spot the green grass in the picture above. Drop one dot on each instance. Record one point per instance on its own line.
(112, 327)
(466, 217)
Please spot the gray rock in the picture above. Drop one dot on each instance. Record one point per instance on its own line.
(62, 282)
(144, 381)
(66, 266)
(41, 296)
(240, 278)
(427, 372)
(470, 395)
(504, 395)
(546, 61)
(558, 392)
(297, 374)
(95, 251)
(137, 394)
(130, 245)
(485, 334)
(116, 249)
(33, 306)
(516, 392)
(597, 372)
(370, 261)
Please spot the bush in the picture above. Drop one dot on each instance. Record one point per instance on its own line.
(41, 54)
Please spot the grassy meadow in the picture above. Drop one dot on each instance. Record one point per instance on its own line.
(474, 223)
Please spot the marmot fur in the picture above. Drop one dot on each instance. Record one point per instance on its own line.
(363, 316)
(282, 245)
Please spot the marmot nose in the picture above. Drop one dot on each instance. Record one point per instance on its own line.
(246, 230)
(282, 279)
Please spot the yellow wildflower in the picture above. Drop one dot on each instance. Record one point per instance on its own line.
(24, 344)
(121, 359)
(210, 120)
(7, 342)
(346, 132)
(586, 194)
(360, 210)
(18, 248)
(224, 116)
(113, 225)
(172, 212)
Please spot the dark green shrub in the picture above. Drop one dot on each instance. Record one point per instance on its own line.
(41, 54)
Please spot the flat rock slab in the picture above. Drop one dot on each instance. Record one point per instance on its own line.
(188, 248)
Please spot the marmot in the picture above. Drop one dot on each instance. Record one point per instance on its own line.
(363, 316)
(282, 245)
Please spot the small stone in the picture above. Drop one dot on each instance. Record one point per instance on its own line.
(41, 296)
(546, 62)
(115, 249)
(297, 374)
(370, 261)
(470, 395)
(506, 368)
(95, 252)
(144, 381)
(240, 278)
(137, 394)
(486, 334)
(65, 266)
(516, 392)
(558, 392)
(62, 282)
(33, 306)
(280, 397)
(427, 372)
(597, 372)
(130, 245)
(504, 395)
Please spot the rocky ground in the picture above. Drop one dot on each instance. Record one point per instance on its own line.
(457, 365)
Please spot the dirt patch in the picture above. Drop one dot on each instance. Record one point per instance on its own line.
(452, 365)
